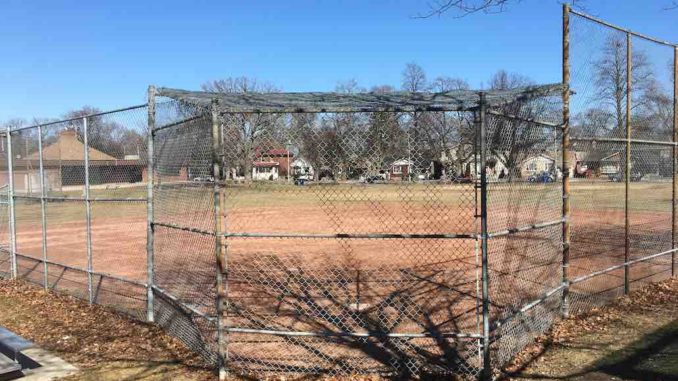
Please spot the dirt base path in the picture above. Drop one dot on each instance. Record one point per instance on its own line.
(636, 338)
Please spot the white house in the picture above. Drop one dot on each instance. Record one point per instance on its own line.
(302, 169)
(265, 170)
(537, 164)
(400, 169)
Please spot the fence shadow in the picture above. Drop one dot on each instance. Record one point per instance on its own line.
(652, 357)
(429, 302)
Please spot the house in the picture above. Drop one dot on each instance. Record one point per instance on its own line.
(272, 164)
(265, 170)
(281, 156)
(301, 168)
(537, 164)
(610, 164)
(400, 169)
(64, 165)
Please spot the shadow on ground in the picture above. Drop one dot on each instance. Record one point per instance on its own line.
(653, 357)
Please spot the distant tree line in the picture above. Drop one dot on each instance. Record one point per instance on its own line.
(350, 145)
(116, 136)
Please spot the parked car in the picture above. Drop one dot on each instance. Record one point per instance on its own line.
(205, 179)
(302, 179)
(374, 179)
(541, 177)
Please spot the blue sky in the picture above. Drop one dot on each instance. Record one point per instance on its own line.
(57, 55)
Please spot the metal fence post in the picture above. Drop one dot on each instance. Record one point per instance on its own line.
(482, 126)
(88, 213)
(565, 146)
(627, 166)
(675, 161)
(12, 211)
(217, 154)
(43, 214)
(150, 168)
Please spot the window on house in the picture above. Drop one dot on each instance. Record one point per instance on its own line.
(532, 166)
(397, 169)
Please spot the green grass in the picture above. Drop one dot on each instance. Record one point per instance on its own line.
(649, 197)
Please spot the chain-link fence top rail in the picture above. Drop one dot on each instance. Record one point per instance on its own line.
(79, 214)
(350, 226)
(622, 127)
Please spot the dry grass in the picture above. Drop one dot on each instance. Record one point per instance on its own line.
(635, 338)
(103, 344)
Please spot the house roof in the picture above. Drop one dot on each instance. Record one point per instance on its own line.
(402, 162)
(69, 148)
(541, 155)
(457, 100)
(276, 152)
(609, 157)
(265, 164)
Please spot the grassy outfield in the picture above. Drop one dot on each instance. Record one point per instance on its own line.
(645, 196)
(61, 211)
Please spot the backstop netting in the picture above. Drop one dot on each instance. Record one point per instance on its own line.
(348, 249)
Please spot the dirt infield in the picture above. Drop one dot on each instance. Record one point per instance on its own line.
(358, 285)
(119, 228)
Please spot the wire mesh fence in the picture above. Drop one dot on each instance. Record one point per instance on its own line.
(623, 149)
(400, 234)
(78, 189)
(340, 239)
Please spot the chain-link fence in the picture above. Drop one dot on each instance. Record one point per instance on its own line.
(622, 155)
(348, 236)
(78, 219)
(405, 234)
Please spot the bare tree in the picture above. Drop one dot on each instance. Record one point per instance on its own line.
(104, 134)
(503, 80)
(444, 83)
(239, 85)
(451, 133)
(344, 137)
(465, 7)
(511, 141)
(386, 140)
(349, 86)
(22, 143)
(610, 80)
(654, 118)
(461, 8)
(414, 78)
(245, 135)
(595, 121)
